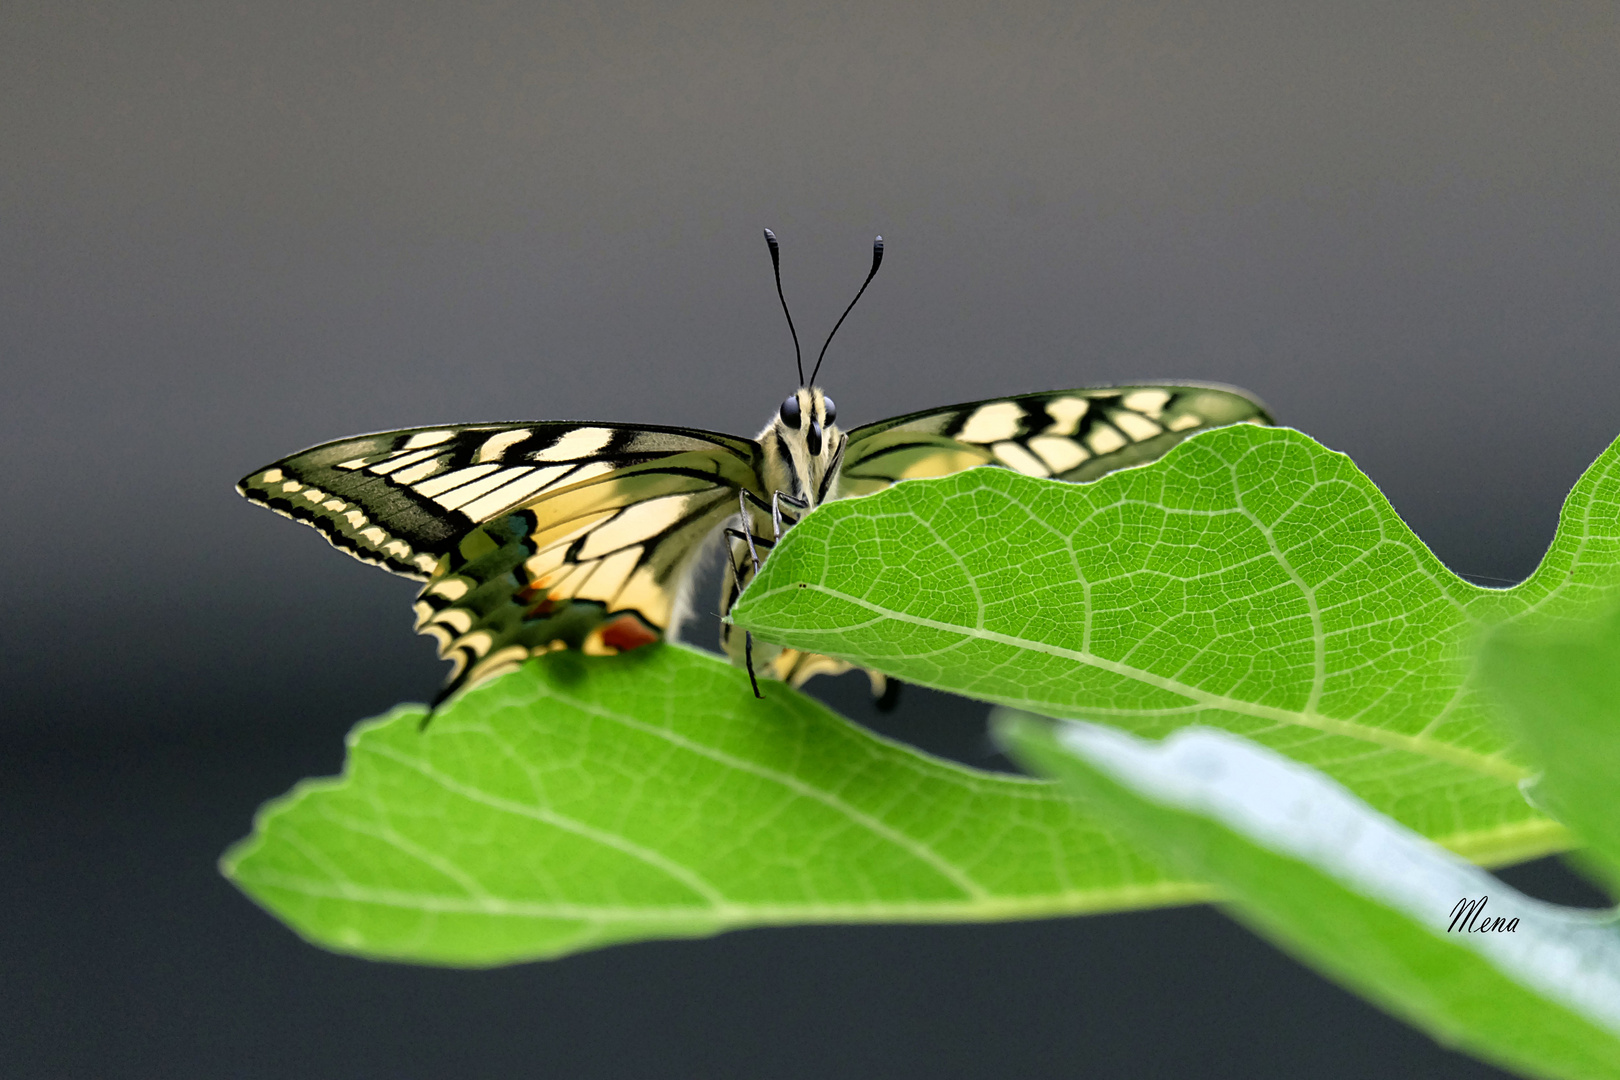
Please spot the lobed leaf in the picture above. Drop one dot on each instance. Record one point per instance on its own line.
(1252, 580)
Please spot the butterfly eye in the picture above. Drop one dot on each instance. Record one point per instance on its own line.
(790, 411)
(832, 410)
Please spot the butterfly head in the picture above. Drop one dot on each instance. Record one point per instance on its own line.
(803, 446)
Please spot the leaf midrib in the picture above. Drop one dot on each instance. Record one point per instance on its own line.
(740, 912)
(1486, 765)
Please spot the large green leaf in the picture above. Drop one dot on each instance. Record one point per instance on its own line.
(1561, 698)
(1252, 580)
(1518, 981)
(580, 802)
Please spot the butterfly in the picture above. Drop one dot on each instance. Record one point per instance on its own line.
(535, 536)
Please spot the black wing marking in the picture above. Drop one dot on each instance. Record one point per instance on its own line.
(599, 566)
(1066, 434)
(403, 499)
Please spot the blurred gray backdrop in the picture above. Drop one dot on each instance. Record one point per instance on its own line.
(229, 230)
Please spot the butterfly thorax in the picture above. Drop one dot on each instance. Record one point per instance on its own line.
(801, 455)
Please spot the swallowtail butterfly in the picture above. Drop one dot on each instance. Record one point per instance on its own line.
(535, 536)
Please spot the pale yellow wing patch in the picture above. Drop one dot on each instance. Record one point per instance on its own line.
(598, 565)
(404, 499)
(1066, 434)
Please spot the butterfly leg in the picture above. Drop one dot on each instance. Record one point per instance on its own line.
(747, 537)
(748, 662)
(778, 500)
(773, 508)
(747, 534)
(754, 543)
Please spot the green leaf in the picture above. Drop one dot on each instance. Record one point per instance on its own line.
(1252, 580)
(1561, 698)
(1307, 864)
(579, 802)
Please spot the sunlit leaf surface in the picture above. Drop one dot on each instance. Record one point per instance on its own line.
(580, 802)
(1252, 580)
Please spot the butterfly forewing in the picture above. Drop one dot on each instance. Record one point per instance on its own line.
(1064, 434)
(403, 499)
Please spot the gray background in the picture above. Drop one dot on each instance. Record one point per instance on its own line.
(228, 231)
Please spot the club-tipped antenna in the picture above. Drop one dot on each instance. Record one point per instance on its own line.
(877, 260)
(776, 264)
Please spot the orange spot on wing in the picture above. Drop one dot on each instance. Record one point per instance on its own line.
(627, 632)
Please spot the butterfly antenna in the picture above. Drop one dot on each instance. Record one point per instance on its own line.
(877, 260)
(776, 264)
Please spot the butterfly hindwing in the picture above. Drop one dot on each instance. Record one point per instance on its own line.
(598, 566)
(1065, 434)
